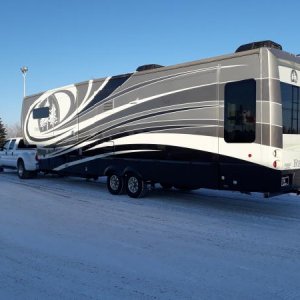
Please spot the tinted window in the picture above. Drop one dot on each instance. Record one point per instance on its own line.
(290, 98)
(240, 111)
(41, 113)
(22, 145)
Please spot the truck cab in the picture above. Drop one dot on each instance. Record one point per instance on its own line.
(16, 155)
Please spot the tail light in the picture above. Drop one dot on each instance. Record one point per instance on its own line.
(275, 163)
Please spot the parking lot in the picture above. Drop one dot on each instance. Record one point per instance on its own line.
(69, 238)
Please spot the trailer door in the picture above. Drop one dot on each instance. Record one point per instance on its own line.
(237, 147)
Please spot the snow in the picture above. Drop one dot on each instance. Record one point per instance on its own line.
(68, 238)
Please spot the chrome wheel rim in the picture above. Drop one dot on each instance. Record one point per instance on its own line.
(114, 182)
(133, 185)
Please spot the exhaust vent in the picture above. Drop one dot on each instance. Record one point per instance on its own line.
(108, 106)
(148, 67)
(261, 44)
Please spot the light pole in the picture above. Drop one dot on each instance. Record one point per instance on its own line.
(24, 70)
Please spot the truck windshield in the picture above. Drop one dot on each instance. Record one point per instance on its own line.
(290, 99)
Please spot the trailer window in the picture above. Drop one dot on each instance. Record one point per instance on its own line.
(240, 111)
(41, 112)
(290, 98)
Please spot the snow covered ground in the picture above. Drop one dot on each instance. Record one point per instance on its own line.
(67, 238)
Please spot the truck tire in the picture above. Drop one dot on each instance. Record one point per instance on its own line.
(22, 172)
(115, 184)
(135, 186)
(1, 169)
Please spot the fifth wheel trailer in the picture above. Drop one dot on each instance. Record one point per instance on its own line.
(229, 122)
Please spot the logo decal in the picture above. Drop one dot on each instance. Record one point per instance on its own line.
(294, 76)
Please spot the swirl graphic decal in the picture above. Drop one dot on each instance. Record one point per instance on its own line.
(64, 105)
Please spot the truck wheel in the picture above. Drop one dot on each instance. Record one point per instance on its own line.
(115, 184)
(135, 186)
(22, 172)
(1, 169)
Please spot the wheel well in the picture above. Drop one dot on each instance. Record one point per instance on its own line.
(125, 172)
(110, 170)
(19, 160)
(130, 170)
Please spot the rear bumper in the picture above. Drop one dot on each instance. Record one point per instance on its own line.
(256, 178)
(289, 182)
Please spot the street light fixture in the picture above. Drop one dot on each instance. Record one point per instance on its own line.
(24, 70)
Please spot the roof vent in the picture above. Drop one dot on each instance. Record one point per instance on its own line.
(148, 67)
(261, 44)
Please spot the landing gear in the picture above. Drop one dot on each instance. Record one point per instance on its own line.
(166, 186)
(184, 188)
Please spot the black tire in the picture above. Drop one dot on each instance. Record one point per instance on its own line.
(1, 169)
(135, 186)
(22, 172)
(115, 184)
(166, 186)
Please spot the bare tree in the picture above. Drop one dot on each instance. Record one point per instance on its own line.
(3, 133)
(14, 130)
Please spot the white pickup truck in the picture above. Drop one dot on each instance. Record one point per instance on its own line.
(16, 155)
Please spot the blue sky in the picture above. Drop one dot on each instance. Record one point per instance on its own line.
(68, 41)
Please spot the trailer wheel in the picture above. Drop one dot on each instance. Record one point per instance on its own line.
(115, 184)
(135, 186)
(22, 172)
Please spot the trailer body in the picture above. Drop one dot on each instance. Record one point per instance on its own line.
(228, 122)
